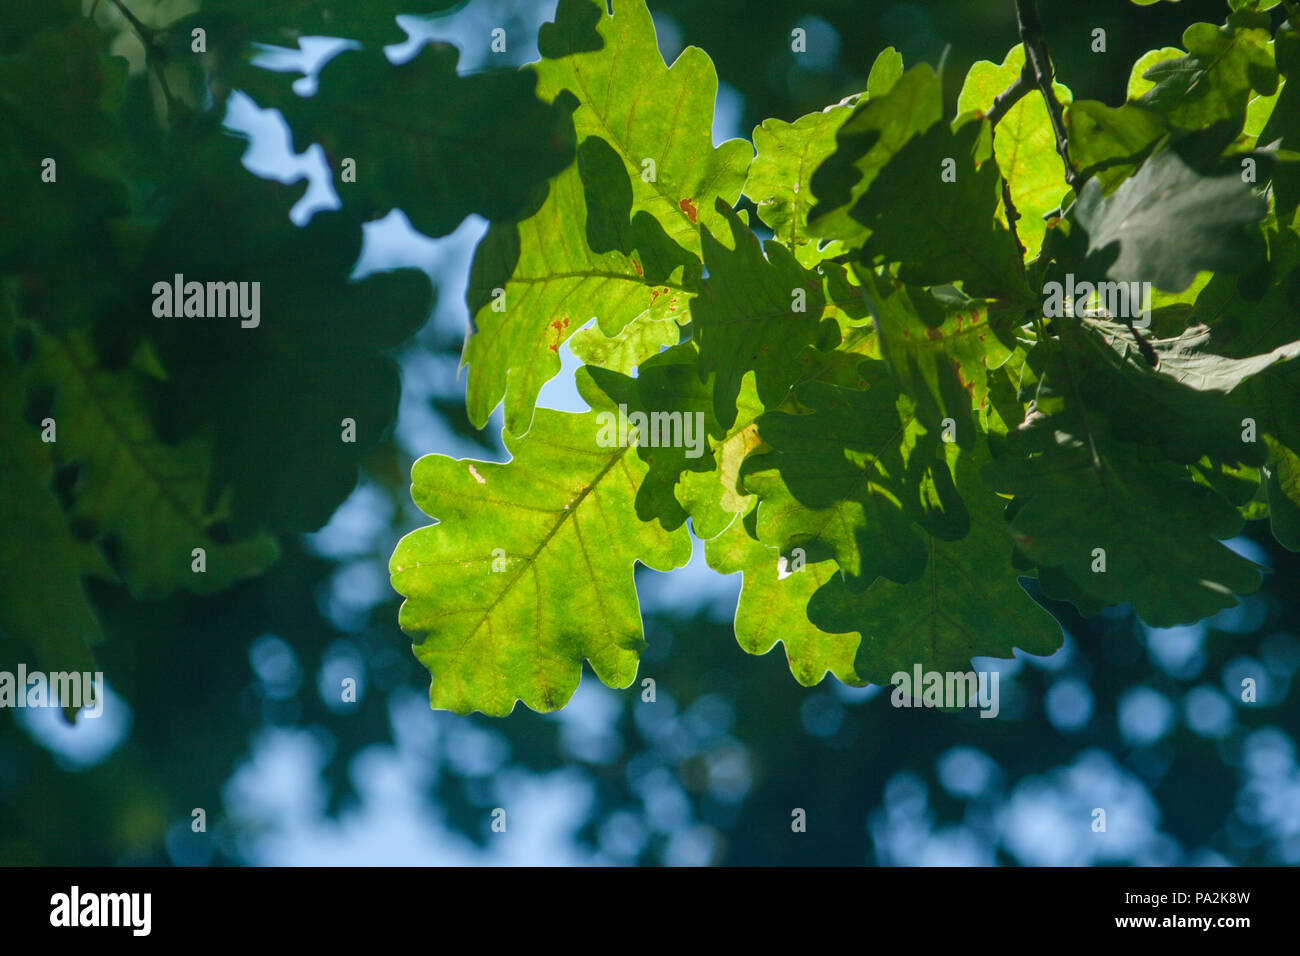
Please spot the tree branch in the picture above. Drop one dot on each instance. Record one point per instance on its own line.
(1013, 216)
(1039, 63)
(1012, 95)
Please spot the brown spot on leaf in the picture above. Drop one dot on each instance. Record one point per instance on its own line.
(966, 383)
(559, 325)
(688, 207)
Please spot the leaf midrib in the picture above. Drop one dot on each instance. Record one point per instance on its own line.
(531, 559)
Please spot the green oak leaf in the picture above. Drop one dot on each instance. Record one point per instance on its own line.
(876, 131)
(713, 499)
(152, 498)
(1213, 82)
(1284, 122)
(319, 353)
(932, 208)
(1005, 408)
(1181, 399)
(1024, 143)
(851, 479)
(437, 145)
(59, 99)
(707, 489)
(1056, 585)
(885, 72)
(619, 238)
(1122, 524)
(1276, 394)
(1242, 485)
(1282, 487)
(1157, 533)
(963, 605)
(60, 92)
(758, 313)
(43, 600)
(1259, 113)
(940, 350)
(1259, 334)
(780, 178)
(773, 605)
(529, 568)
(1138, 84)
(236, 33)
(529, 281)
(643, 337)
(1211, 216)
(1245, 323)
(696, 478)
(657, 119)
(1110, 143)
(1186, 359)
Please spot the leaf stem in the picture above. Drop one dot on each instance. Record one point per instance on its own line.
(153, 50)
(1039, 63)
(147, 36)
(1012, 95)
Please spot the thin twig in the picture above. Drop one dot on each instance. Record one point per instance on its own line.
(1143, 345)
(145, 32)
(1038, 60)
(1012, 95)
(153, 50)
(1013, 217)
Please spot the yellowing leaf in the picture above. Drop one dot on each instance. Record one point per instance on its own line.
(528, 570)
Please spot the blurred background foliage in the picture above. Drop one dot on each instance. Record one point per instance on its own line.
(231, 703)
